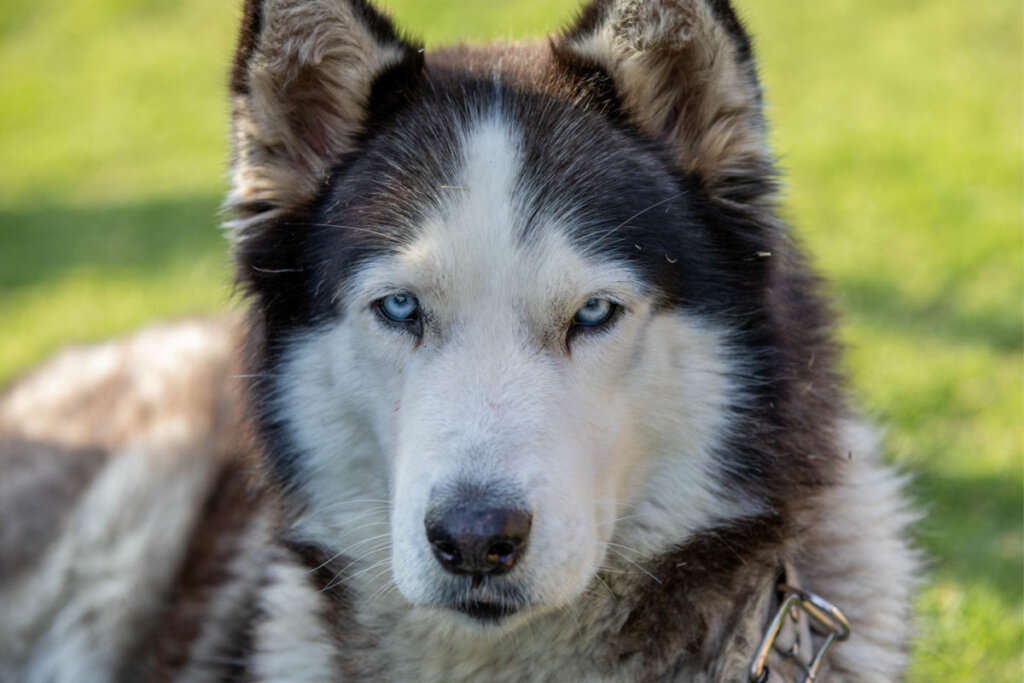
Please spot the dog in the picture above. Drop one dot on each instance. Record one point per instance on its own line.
(535, 386)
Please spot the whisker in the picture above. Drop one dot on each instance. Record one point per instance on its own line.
(341, 577)
(348, 528)
(347, 549)
(375, 565)
(375, 233)
(350, 523)
(571, 611)
(636, 215)
(609, 569)
(384, 503)
(608, 588)
(384, 590)
(274, 271)
(611, 546)
(628, 549)
(372, 551)
(368, 540)
(618, 519)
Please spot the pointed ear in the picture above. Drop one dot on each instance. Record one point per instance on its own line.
(684, 74)
(301, 87)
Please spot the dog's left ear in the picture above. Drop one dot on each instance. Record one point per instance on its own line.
(684, 74)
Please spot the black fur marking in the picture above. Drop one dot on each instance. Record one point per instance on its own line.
(393, 91)
(327, 570)
(248, 39)
(703, 589)
(590, 19)
(379, 24)
(726, 16)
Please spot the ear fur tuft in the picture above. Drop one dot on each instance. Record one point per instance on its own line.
(684, 74)
(301, 84)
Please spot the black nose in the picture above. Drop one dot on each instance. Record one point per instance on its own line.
(472, 540)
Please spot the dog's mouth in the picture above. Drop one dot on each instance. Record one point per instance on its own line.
(485, 605)
(486, 613)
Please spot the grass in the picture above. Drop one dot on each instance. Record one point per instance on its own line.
(900, 126)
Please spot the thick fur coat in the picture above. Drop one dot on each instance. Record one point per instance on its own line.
(535, 386)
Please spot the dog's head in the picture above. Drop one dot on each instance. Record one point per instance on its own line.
(499, 292)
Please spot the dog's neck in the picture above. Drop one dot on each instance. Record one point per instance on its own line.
(674, 615)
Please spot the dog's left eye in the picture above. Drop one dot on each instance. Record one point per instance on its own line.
(593, 313)
(400, 308)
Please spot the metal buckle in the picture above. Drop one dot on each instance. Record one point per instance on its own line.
(826, 617)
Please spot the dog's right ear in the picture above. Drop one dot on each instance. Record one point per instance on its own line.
(684, 74)
(301, 86)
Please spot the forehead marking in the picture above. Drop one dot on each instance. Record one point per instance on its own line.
(474, 233)
(470, 258)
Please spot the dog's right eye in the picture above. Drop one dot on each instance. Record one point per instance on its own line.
(594, 313)
(400, 308)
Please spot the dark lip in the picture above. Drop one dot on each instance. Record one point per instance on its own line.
(484, 600)
(490, 613)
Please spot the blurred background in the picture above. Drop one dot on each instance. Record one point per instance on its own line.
(899, 125)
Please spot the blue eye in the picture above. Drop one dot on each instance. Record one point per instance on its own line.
(401, 308)
(593, 313)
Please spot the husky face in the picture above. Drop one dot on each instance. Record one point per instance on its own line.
(491, 310)
(522, 373)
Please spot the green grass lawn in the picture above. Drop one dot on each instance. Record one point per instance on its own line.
(900, 127)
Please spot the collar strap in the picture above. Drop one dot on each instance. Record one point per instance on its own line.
(789, 633)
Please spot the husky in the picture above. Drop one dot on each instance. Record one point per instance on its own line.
(535, 386)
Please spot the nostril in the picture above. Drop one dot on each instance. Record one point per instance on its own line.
(501, 553)
(448, 553)
(446, 550)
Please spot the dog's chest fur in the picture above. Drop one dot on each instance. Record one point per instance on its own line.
(300, 623)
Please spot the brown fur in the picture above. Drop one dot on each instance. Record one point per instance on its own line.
(682, 79)
(300, 86)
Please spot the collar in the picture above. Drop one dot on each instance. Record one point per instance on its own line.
(801, 619)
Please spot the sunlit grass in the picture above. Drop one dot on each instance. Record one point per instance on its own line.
(899, 125)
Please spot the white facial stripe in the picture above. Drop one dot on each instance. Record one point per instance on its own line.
(471, 255)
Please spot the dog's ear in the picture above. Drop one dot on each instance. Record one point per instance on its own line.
(301, 86)
(683, 72)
